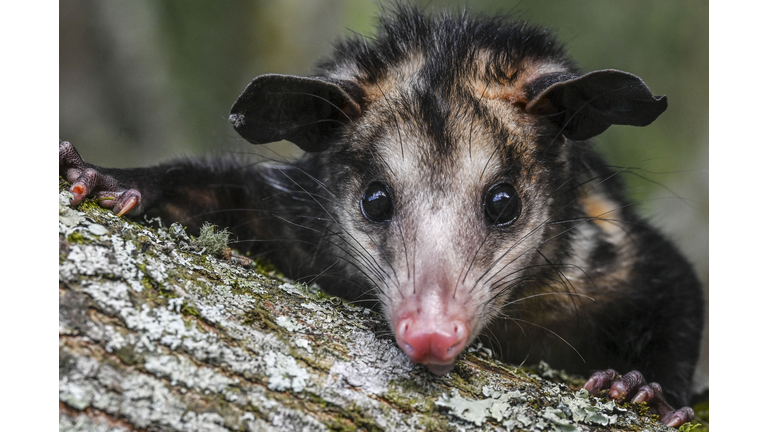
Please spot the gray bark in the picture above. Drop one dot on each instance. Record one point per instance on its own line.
(157, 334)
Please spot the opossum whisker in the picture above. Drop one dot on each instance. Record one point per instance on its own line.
(405, 250)
(273, 240)
(339, 109)
(358, 247)
(545, 223)
(358, 260)
(361, 266)
(488, 234)
(534, 247)
(522, 362)
(555, 293)
(479, 248)
(374, 285)
(503, 255)
(579, 221)
(569, 288)
(554, 333)
(471, 263)
(632, 171)
(414, 271)
(367, 262)
(365, 290)
(540, 226)
(500, 286)
(506, 283)
(575, 176)
(472, 122)
(583, 219)
(319, 183)
(619, 223)
(490, 158)
(382, 160)
(390, 108)
(520, 255)
(290, 222)
(492, 339)
(324, 272)
(568, 121)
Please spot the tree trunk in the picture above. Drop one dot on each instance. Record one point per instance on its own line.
(155, 333)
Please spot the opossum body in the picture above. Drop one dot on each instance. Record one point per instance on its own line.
(447, 176)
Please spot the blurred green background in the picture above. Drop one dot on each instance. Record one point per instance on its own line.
(145, 80)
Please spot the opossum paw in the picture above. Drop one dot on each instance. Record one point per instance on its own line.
(88, 181)
(632, 387)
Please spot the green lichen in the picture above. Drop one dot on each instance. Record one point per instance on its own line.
(189, 310)
(689, 427)
(246, 287)
(212, 241)
(259, 317)
(265, 267)
(701, 411)
(700, 421)
(351, 418)
(641, 408)
(432, 424)
(361, 419)
(155, 290)
(76, 237)
(340, 424)
(317, 400)
(129, 355)
(314, 292)
(398, 396)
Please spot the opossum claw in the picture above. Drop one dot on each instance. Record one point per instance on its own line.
(121, 202)
(89, 181)
(632, 387)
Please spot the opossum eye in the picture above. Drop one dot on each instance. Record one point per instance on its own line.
(502, 204)
(376, 203)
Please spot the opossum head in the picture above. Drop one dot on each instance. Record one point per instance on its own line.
(445, 145)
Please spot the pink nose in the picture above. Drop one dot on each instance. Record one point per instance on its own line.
(435, 344)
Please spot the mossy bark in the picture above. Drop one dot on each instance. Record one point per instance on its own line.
(156, 334)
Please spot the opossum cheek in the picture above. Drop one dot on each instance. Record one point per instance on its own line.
(430, 337)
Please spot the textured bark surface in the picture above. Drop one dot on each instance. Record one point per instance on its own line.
(155, 333)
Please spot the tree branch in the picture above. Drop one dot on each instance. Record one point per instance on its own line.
(156, 334)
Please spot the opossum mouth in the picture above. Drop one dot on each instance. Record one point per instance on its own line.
(438, 361)
(428, 338)
(440, 369)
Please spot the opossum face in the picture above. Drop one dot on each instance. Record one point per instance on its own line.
(445, 148)
(446, 197)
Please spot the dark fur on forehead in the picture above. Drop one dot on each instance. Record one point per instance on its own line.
(448, 42)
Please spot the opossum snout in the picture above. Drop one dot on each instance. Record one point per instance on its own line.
(430, 337)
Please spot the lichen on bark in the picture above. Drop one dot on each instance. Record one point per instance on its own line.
(157, 334)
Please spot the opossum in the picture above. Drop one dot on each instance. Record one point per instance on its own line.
(448, 177)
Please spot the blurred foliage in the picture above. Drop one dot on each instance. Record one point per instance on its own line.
(159, 75)
(145, 80)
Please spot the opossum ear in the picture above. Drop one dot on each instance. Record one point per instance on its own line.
(306, 111)
(585, 106)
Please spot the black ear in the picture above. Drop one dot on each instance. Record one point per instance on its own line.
(305, 111)
(584, 106)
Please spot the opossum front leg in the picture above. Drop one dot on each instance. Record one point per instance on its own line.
(632, 387)
(190, 191)
(88, 180)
